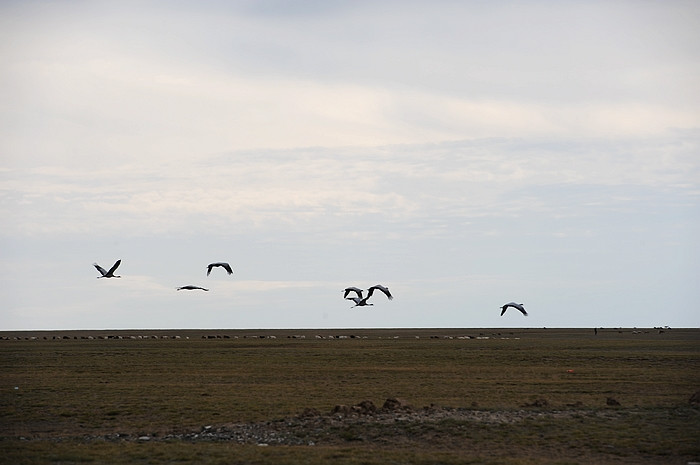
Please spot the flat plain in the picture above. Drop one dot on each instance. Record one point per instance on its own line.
(482, 396)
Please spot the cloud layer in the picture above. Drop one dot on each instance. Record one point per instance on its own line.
(463, 153)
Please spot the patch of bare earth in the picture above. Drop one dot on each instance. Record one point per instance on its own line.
(396, 425)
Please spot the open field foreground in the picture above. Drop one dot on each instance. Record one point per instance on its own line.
(481, 396)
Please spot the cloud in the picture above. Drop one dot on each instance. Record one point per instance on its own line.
(424, 187)
(99, 84)
(520, 147)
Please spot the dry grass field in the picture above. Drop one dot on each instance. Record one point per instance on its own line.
(482, 396)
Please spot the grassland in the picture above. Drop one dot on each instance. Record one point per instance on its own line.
(515, 396)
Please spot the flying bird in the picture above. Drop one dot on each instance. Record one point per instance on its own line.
(110, 273)
(191, 288)
(385, 290)
(514, 305)
(359, 301)
(224, 265)
(350, 289)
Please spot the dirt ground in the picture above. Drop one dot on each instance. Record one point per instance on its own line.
(244, 397)
(398, 426)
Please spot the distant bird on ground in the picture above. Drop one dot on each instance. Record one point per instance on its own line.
(110, 273)
(514, 305)
(224, 265)
(385, 290)
(350, 289)
(191, 288)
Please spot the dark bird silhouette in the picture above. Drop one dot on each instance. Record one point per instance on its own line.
(191, 288)
(359, 301)
(350, 289)
(385, 290)
(514, 305)
(224, 265)
(110, 273)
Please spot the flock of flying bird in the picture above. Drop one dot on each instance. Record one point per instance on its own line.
(189, 287)
(362, 301)
(359, 300)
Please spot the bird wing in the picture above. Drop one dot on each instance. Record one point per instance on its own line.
(225, 265)
(385, 290)
(189, 287)
(348, 290)
(521, 308)
(357, 300)
(100, 269)
(114, 267)
(514, 305)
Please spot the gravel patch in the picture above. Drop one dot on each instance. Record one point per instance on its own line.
(312, 427)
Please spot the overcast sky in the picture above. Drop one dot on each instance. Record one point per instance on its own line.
(463, 153)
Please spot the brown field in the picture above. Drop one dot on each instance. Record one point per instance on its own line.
(513, 396)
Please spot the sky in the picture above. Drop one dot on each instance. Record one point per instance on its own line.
(464, 154)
